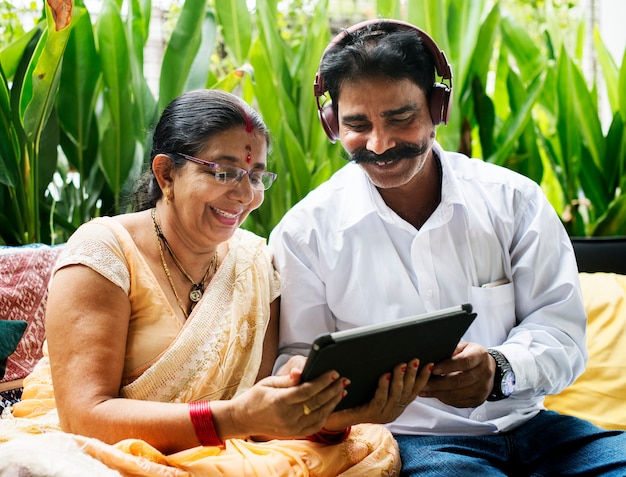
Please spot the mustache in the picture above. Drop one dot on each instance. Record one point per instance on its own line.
(402, 151)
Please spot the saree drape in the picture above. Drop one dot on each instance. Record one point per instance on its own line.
(214, 355)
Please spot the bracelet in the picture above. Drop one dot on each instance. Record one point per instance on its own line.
(202, 420)
(325, 436)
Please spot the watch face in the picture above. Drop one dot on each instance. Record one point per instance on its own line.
(508, 383)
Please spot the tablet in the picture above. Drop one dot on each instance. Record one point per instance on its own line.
(365, 353)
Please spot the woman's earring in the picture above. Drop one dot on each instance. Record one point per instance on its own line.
(167, 195)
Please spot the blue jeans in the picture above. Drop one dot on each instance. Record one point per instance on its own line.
(550, 444)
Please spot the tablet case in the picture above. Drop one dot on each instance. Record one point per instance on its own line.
(365, 353)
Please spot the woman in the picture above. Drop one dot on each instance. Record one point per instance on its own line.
(162, 326)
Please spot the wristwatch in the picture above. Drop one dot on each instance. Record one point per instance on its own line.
(504, 379)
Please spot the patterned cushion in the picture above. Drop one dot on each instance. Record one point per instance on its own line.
(24, 275)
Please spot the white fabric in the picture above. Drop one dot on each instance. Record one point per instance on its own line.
(49, 455)
(347, 260)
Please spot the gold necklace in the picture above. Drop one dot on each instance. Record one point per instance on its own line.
(197, 289)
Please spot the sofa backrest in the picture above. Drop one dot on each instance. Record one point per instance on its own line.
(600, 254)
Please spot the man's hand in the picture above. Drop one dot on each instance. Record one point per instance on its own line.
(465, 379)
(295, 362)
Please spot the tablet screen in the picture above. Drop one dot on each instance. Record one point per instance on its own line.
(363, 354)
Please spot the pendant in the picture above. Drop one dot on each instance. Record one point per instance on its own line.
(196, 293)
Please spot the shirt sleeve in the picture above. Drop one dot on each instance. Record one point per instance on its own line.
(547, 347)
(303, 306)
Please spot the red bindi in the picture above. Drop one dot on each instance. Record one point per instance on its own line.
(249, 154)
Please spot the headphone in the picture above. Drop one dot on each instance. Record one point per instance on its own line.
(440, 96)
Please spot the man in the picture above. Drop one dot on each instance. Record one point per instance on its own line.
(407, 227)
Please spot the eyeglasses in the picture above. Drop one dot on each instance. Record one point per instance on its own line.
(232, 175)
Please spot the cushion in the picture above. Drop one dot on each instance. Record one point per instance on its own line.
(10, 334)
(599, 394)
(24, 275)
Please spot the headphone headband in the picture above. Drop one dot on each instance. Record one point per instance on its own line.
(441, 94)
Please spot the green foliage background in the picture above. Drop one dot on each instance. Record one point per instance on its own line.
(76, 108)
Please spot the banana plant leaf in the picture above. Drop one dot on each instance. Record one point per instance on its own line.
(76, 100)
(42, 78)
(181, 51)
(117, 142)
(235, 19)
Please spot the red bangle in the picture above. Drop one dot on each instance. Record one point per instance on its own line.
(202, 420)
(330, 437)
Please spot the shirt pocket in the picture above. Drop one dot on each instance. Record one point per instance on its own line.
(495, 314)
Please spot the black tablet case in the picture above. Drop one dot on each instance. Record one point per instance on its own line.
(365, 353)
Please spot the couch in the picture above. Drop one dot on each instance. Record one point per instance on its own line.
(598, 395)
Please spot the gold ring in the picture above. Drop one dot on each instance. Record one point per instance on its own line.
(306, 409)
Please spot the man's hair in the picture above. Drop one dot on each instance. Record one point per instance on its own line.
(378, 50)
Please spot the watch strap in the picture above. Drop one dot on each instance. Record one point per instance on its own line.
(502, 366)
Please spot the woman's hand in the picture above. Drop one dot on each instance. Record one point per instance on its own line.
(280, 406)
(395, 391)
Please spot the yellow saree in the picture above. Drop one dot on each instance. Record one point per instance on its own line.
(215, 355)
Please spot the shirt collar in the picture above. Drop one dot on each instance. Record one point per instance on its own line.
(357, 185)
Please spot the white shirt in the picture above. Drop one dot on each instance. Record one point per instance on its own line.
(346, 260)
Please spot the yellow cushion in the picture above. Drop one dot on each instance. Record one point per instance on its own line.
(599, 394)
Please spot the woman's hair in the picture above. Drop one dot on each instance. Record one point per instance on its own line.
(378, 50)
(186, 127)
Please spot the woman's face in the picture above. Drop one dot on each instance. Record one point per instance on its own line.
(209, 211)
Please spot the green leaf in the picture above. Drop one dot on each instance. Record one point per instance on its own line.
(594, 185)
(304, 71)
(610, 72)
(42, 78)
(11, 56)
(9, 142)
(233, 79)
(613, 222)
(388, 8)
(200, 68)
(77, 93)
(616, 150)
(48, 153)
(139, 27)
(117, 143)
(464, 25)
(567, 130)
(484, 112)
(432, 16)
(517, 121)
(528, 56)
(181, 50)
(622, 88)
(479, 66)
(585, 112)
(234, 18)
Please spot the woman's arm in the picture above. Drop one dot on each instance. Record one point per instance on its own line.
(87, 319)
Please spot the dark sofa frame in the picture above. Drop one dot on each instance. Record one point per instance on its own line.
(600, 254)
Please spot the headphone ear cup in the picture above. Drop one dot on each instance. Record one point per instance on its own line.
(328, 118)
(440, 99)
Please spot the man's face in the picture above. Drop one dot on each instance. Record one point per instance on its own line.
(385, 126)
